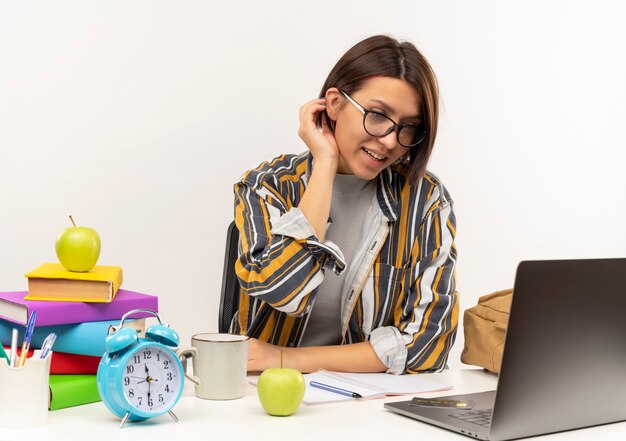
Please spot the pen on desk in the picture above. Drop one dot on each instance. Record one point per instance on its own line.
(46, 347)
(334, 389)
(14, 336)
(27, 337)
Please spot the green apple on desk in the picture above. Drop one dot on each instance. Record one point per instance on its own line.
(78, 248)
(281, 390)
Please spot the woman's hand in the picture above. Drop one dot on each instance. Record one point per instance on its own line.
(262, 355)
(356, 357)
(315, 203)
(321, 143)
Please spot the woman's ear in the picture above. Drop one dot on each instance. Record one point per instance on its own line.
(334, 100)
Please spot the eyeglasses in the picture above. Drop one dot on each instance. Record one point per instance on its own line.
(378, 125)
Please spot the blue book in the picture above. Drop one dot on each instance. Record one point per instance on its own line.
(80, 338)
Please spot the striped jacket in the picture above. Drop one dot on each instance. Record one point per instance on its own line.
(399, 291)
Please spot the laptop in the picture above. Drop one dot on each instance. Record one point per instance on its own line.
(564, 362)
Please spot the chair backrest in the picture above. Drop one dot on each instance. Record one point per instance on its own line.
(229, 299)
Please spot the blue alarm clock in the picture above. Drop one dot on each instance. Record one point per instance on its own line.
(140, 378)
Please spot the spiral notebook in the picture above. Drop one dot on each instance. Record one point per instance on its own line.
(367, 385)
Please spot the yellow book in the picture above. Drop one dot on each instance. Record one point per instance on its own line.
(51, 281)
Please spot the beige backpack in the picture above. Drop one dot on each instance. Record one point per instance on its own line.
(484, 327)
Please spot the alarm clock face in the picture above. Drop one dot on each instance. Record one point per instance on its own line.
(152, 379)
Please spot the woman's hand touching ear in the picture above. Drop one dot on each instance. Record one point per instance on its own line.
(321, 143)
(315, 203)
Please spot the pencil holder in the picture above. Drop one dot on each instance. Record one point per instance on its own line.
(24, 392)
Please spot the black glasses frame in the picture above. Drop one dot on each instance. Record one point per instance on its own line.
(395, 126)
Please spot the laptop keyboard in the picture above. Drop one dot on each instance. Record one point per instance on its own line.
(480, 417)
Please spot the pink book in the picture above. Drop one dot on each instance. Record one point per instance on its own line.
(14, 308)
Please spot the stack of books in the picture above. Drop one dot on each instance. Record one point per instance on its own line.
(79, 308)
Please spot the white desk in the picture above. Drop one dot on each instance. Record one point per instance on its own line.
(244, 419)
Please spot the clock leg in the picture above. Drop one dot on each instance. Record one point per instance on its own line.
(124, 420)
(173, 416)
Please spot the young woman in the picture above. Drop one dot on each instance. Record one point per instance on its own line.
(347, 250)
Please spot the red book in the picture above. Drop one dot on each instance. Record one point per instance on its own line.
(63, 363)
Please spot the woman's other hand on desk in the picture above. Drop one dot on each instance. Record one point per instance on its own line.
(356, 357)
(262, 355)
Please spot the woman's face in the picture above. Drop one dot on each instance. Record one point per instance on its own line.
(360, 153)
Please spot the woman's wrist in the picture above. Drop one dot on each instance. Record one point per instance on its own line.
(315, 202)
(356, 357)
(290, 358)
(325, 163)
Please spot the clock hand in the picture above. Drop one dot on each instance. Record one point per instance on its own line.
(149, 380)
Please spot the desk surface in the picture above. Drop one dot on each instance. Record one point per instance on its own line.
(244, 419)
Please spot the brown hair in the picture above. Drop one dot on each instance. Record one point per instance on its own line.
(384, 56)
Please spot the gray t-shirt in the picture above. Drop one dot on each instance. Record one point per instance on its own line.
(352, 198)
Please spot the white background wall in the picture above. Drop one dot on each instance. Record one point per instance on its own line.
(138, 116)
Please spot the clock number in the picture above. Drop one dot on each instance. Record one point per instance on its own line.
(140, 399)
(169, 376)
(136, 359)
(130, 369)
(161, 398)
(147, 355)
(150, 403)
(131, 393)
(167, 388)
(166, 364)
(126, 381)
(158, 356)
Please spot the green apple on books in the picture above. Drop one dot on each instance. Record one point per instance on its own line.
(79, 302)
(76, 278)
(78, 248)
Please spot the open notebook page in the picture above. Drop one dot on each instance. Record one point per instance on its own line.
(367, 385)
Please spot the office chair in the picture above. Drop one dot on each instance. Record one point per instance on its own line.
(229, 298)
